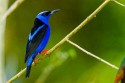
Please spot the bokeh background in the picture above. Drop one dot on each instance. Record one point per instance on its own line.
(104, 36)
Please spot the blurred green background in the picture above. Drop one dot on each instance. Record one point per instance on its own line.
(103, 36)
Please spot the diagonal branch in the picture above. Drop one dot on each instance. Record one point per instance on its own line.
(119, 3)
(89, 53)
(90, 17)
(59, 59)
(11, 9)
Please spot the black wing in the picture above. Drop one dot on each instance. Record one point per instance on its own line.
(34, 42)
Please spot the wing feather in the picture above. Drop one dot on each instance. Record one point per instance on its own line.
(35, 38)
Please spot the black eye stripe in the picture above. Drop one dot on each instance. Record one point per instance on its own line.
(46, 13)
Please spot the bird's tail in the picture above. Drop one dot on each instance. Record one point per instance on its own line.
(28, 71)
(29, 64)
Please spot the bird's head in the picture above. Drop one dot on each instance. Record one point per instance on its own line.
(45, 15)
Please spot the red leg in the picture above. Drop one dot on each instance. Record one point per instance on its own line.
(44, 52)
(35, 60)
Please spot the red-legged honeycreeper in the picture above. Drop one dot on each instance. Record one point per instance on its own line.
(38, 38)
(120, 77)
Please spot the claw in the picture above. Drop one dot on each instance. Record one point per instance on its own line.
(44, 52)
(35, 60)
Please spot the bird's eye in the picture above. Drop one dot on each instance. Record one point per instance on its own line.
(46, 13)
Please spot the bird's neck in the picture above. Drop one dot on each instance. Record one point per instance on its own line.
(44, 19)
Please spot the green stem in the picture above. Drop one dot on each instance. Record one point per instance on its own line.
(93, 55)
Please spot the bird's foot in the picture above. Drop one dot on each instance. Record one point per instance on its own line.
(35, 61)
(45, 52)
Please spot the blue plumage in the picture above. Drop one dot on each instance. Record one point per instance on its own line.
(38, 38)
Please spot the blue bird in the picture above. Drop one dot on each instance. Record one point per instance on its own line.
(38, 38)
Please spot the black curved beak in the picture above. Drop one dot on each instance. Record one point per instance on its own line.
(53, 11)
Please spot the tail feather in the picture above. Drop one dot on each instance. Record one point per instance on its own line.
(28, 71)
(29, 63)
